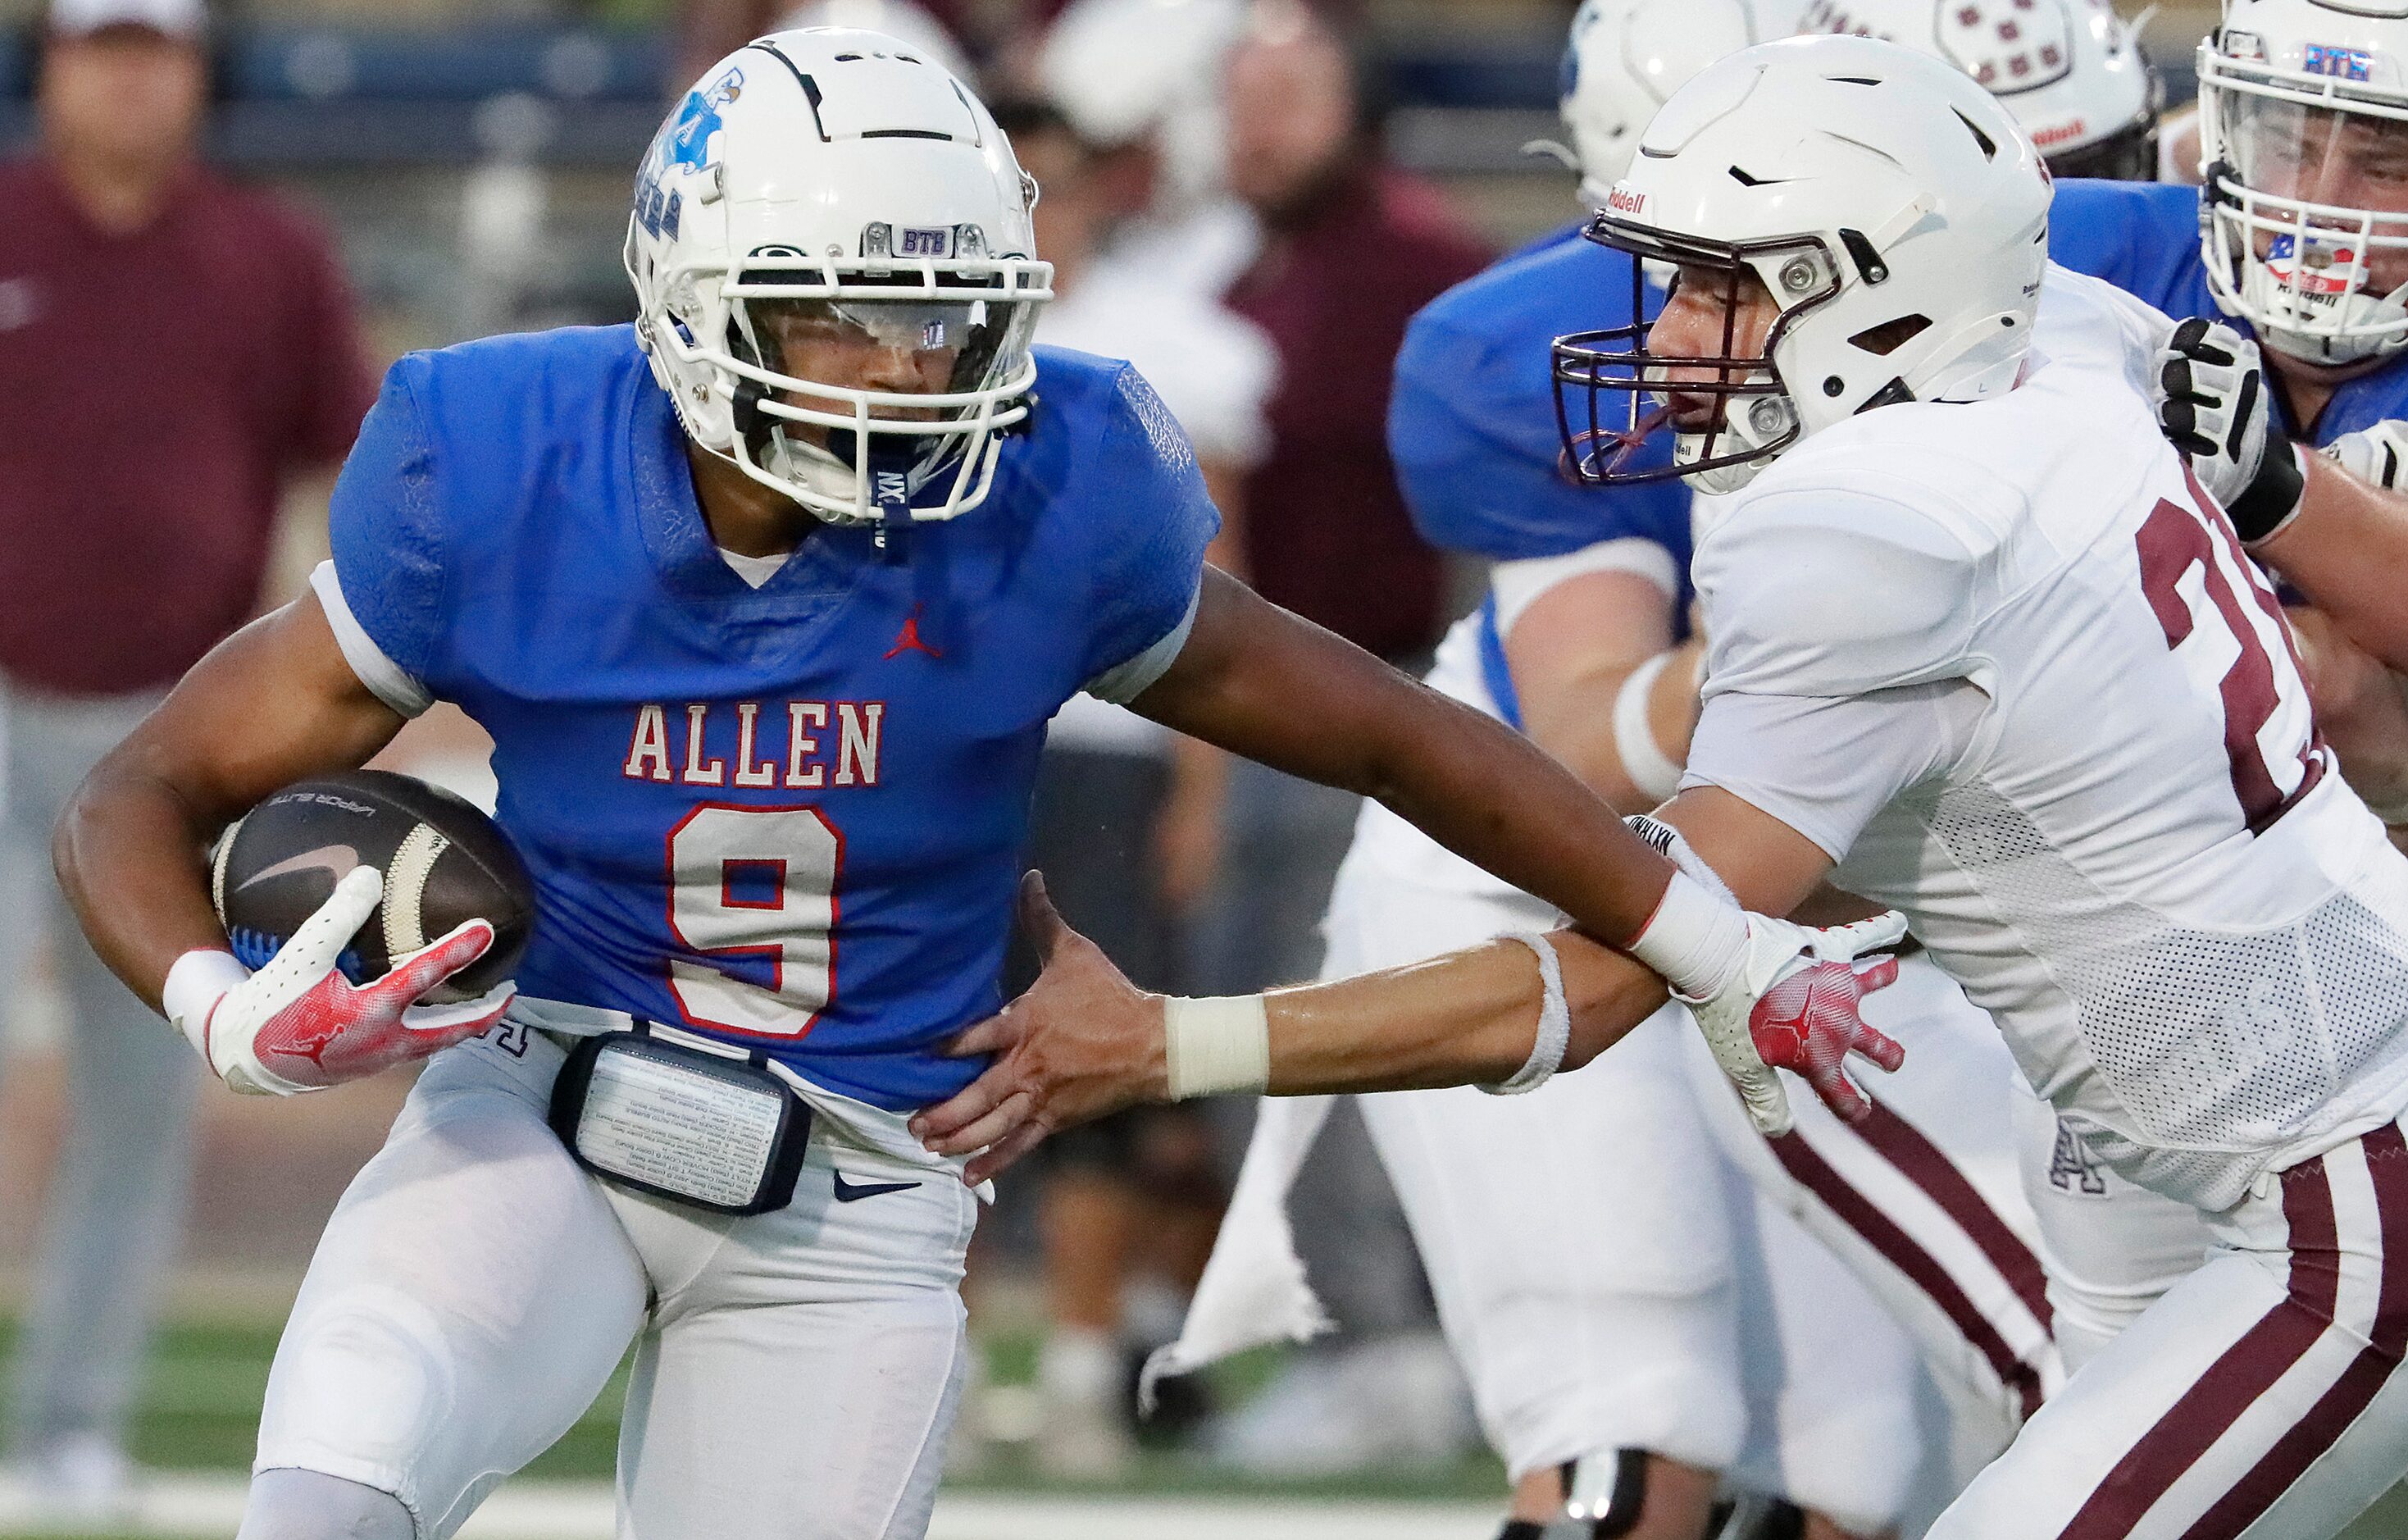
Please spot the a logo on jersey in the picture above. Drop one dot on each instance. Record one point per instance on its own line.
(2342, 63)
(908, 640)
(2071, 1167)
(2324, 267)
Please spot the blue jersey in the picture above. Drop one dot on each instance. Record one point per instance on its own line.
(2144, 239)
(1473, 429)
(790, 816)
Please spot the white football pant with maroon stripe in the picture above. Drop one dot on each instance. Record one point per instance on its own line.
(2259, 1397)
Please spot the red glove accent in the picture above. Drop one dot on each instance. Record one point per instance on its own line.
(1808, 1023)
(335, 1033)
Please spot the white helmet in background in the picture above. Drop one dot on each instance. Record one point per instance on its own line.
(1624, 59)
(905, 20)
(2303, 131)
(835, 189)
(2071, 71)
(1122, 70)
(1891, 206)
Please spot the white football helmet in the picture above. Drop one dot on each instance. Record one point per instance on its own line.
(2071, 71)
(832, 193)
(1892, 208)
(1624, 59)
(2303, 131)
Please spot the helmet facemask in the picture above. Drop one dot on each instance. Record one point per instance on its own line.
(857, 387)
(1753, 417)
(2306, 208)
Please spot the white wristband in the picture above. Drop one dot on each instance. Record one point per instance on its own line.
(1696, 939)
(1217, 1043)
(1555, 1020)
(1644, 760)
(197, 982)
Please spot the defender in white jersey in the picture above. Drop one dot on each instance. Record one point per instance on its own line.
(1979, 648)
(1978, 638)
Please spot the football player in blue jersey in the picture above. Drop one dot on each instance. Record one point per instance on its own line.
(766, 602)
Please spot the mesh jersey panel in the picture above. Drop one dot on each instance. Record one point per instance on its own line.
(2219, 1047)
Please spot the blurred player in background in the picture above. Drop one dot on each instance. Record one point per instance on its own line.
(815, 551)
(1141, 84)
(1126, 821)
(174, 352)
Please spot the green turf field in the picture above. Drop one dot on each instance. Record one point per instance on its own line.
(201, 1405)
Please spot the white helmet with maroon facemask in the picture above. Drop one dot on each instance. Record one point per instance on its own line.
(834, 190)
(1891, 207)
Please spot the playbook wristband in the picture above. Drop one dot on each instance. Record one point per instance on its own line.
(1555, 1020)
(1215, 1043)
(197, 982)
(2274, 493)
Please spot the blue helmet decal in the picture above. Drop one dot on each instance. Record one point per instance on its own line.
(684, 142)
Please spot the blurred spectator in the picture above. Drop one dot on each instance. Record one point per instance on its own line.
(1126, 821)
(1140, 82)
(1351, 248)
(172, 348)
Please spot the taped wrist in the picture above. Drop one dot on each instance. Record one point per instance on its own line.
(1555, 1021)
(1215, 1043)
(1698, 936)
(195, 983)
(2272, 499)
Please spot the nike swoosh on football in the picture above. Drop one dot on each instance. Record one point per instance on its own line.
(854, 1192)
(338, 861)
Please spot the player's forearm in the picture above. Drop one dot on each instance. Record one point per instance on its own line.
(1467, 1018)
(2347, 551)
(270, 705)
(130, 855)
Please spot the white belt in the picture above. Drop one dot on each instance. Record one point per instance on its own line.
(875, 1127)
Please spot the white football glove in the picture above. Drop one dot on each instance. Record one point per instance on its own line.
(298, 1025)
(2376, 454)
(1792, 1004)
(1769, 995)
(2213, 404)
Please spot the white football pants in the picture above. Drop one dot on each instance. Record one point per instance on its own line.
(2258, 1398)
(796, 1371)
(1580, 1244)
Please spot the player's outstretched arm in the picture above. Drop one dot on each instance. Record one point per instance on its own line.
(1083, 1041)
(272, 704)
